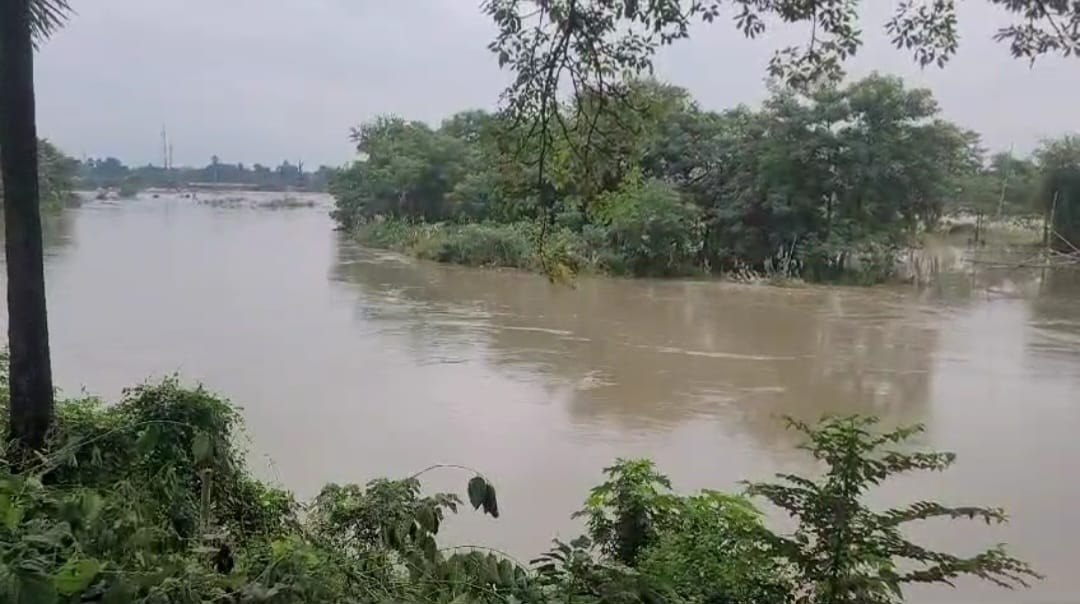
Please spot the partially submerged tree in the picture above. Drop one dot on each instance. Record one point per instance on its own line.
(1059, 194)
(31, 390)
(822, 185)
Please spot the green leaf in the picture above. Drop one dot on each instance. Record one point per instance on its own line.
(201, 447)
(259, 593)
(478, 488)
(11, 513)
(35, 589)
(490, 503)
(425, 516)
(91, 505)
(457, 576)
(506, 572)
(431, 549)
(491, 568)
(76, 575)
(393, 536)
(148, 440)
(142, 537)
(119, 593)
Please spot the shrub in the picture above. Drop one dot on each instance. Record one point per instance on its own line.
(712, 550)
(845, 553)
(484, 244)
(865, 261)
(708, 547)
(147, 501)
(650, 229)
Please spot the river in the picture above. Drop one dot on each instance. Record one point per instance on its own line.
(353, 363)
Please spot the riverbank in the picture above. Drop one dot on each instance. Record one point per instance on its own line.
(690, 372)
(557, 251)
(562, 252)
(149, 499)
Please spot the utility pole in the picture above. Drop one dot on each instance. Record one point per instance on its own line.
(164, 148)
(1004, 183)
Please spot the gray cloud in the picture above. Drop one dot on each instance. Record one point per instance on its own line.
(266, 80)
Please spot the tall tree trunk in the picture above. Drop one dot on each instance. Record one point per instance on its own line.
(30, 376)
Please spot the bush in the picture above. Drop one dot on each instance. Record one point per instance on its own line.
(708, 547)
(147, 501)
(650, 230)
(712, 550)
(1061, 192)
(471, 244)
(865, 261)
(845, 553)
(484, 244)
(129, 188)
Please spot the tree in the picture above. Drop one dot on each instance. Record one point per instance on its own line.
(56, 172)
(588, 46)
(30, 382)
(846, 553)
(1059, 194)
(824, 184)
(406, 170)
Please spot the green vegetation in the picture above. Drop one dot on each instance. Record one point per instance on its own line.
(1005, 186)
(148, 501)
(1059, 195)
(112, 173)
(827, 186)
(654, 185)
(56, 173)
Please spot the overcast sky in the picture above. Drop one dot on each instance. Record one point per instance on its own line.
(267, 80)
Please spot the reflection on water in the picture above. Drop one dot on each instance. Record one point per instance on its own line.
(637, 355)
(354, 363)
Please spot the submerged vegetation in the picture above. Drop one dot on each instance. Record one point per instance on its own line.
(830, 185)
(148, 500)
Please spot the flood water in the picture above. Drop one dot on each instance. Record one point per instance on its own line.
(353, 363)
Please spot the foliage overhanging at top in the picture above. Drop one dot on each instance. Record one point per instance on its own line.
(590, 45)
(47, 16)
(590, 40)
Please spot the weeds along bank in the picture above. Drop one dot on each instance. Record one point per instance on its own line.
(628, 250)
(148, 500)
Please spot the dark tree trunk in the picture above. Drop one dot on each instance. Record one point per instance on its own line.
(30, 376)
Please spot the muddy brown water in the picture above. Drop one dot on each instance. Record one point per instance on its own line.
(353, 363)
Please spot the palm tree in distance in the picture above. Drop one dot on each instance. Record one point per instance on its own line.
(23, 23)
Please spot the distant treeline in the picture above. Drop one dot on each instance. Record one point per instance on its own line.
(110, 172)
